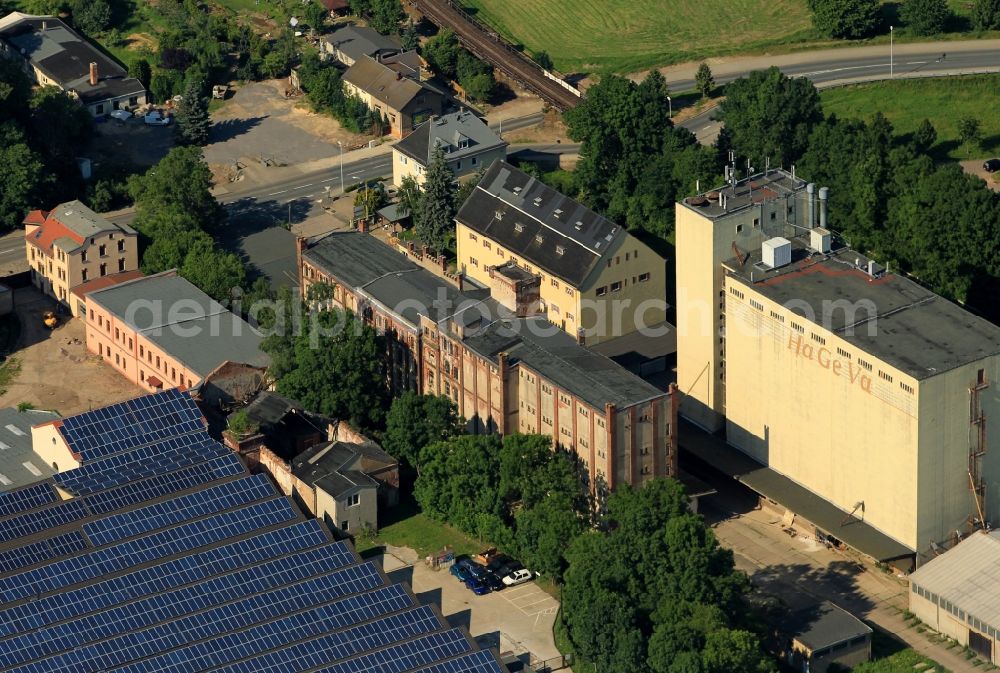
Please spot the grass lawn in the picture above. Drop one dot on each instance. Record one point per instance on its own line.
(630, 35)
(904, 661)
(407, 526)
(944, 101)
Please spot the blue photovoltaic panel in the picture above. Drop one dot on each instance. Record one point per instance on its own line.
(164, 456)
(396, 659)
(170, 605)
(342, 639)
(131, 424)
(144, 490)
(474, 662)
(36, 521)
(155, 579)
(39, 552)
(24, 499)
(125, 555)
(182, 508)
(307, 655)
(245, 612)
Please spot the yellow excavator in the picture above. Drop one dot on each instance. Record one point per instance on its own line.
(50, 319)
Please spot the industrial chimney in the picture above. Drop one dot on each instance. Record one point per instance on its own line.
(93, 73)
(811, 195)
(824, 192)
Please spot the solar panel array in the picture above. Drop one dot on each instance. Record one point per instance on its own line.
(147, 461)
(131, 424)
(168, 557)
(23, 499)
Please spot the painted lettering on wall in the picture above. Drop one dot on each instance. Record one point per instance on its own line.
(824, 358)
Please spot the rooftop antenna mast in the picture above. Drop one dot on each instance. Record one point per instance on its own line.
(732, 167)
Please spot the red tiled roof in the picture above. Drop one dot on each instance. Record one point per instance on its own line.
(153, 381)
(82, 289)
(36, 217)
(50, 231)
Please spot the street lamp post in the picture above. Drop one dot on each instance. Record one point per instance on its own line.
(341, 146)
(891, 73)
(670, 107)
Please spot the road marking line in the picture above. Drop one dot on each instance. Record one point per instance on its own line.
(276, 193)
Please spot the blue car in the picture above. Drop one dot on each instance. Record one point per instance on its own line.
(467, 563)
(477, 586)
(460, 573)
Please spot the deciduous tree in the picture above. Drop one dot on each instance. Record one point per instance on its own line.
(704, 81)
(415, 421)
(986, 14)
(925, 17)
(848, 19)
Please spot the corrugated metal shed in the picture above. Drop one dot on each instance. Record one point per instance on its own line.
(967, 576)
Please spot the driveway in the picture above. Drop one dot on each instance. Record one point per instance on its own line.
(517, 620)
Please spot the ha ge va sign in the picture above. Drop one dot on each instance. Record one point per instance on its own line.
(825, 359)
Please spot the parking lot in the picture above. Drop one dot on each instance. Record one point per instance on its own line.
(515, 620)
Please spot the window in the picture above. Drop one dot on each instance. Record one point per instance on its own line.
(555, 283)
(601, 291)
(643, 277)
(842, 353)
(157, 361)
(757, 305)
(121, 245)
(117, 334)
(83, 256)
(798, 328)
(104, 269)
(519, 227)
(474, 262)
(487, 245)
(402, 159)
(130, 343)
(99, 109)
(473, 237)
(626, 256)
(739, 228)
(616, 287)
(102, 251)
(121, 264)
(756, 223)
(133, 101)
(85, 272)
(354, 500)
(345, 526)
(569, 291)
(475, 161)
(885, 377)
(142, 351)
(864, 364)
(818, 339)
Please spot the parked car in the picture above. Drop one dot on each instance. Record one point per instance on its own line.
(507, 568)
(123, 115)
(156, 118)
(493, 582)
(991, 165)
(518, 577)
(477, 586)
(498, 562)
(465, 562)
(461, 573)
(478, 571)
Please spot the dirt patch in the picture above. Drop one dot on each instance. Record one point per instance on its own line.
(260, 124)
(140, 41)
(57, 372)
(975, 167)
(551, 130)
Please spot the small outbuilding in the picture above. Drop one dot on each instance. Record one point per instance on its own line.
(823, 634)
(958, 593)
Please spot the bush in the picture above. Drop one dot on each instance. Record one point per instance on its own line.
(925, 17)
(849, 19)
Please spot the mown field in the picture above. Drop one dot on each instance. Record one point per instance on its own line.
(944, 101)
(630, 35)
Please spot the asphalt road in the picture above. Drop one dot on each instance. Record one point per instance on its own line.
(837, 67)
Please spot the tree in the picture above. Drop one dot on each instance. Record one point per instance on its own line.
(925, 136)
(334, 365)
(847, 19)
(441, 52)
(925, 17)
(20, 180)
(215, 272)
(970, 132)
(480, 86)
(385, 15)
(704, 81)
(435, 222)
(59, 126)
(458, 480)
(409, 196)
(181, 183)
(315, 15)
(192, 118)
(415, 421)
(371, 198)
(91, 16)
(769, 116)
(986, 15)
(542, 532)
(410, 40)
(729, 650)
(140, 70)
(543, 59)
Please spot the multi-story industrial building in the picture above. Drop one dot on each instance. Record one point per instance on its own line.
(849, 381)
(507, 368)
(71, 246)
(596, 280)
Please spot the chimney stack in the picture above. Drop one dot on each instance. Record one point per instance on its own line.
(811, 195)
(824, 192)
(93, 73)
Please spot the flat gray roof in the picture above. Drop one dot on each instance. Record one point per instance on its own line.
(184, 321)
(766, 186)
(967, 575)
(894, 319)
(824, 625)
(557, 356)
(355, 258)
(19, 464)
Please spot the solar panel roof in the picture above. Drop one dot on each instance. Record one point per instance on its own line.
(162, 554)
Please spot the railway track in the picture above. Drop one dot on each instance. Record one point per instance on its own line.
(495, 50)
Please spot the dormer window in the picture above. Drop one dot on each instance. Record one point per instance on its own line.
(560, 250)
(519, 227)
(539, 240)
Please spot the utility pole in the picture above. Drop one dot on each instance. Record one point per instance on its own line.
(670, 107)
(341, 146)
(891, 72)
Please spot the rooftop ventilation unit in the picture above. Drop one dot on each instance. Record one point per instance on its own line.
(579, 225)
(538, 201)
(560, 250)
(539, 240)
(557, 212)
(776, 252)
(517, 190)
(819, 240)
(498, 214)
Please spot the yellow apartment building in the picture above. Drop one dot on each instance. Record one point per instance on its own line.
(852, 382)
(72, 245)
(596, 280)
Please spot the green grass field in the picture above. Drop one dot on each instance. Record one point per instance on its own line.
(630, 35)
(944, 101)
(406, 526)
